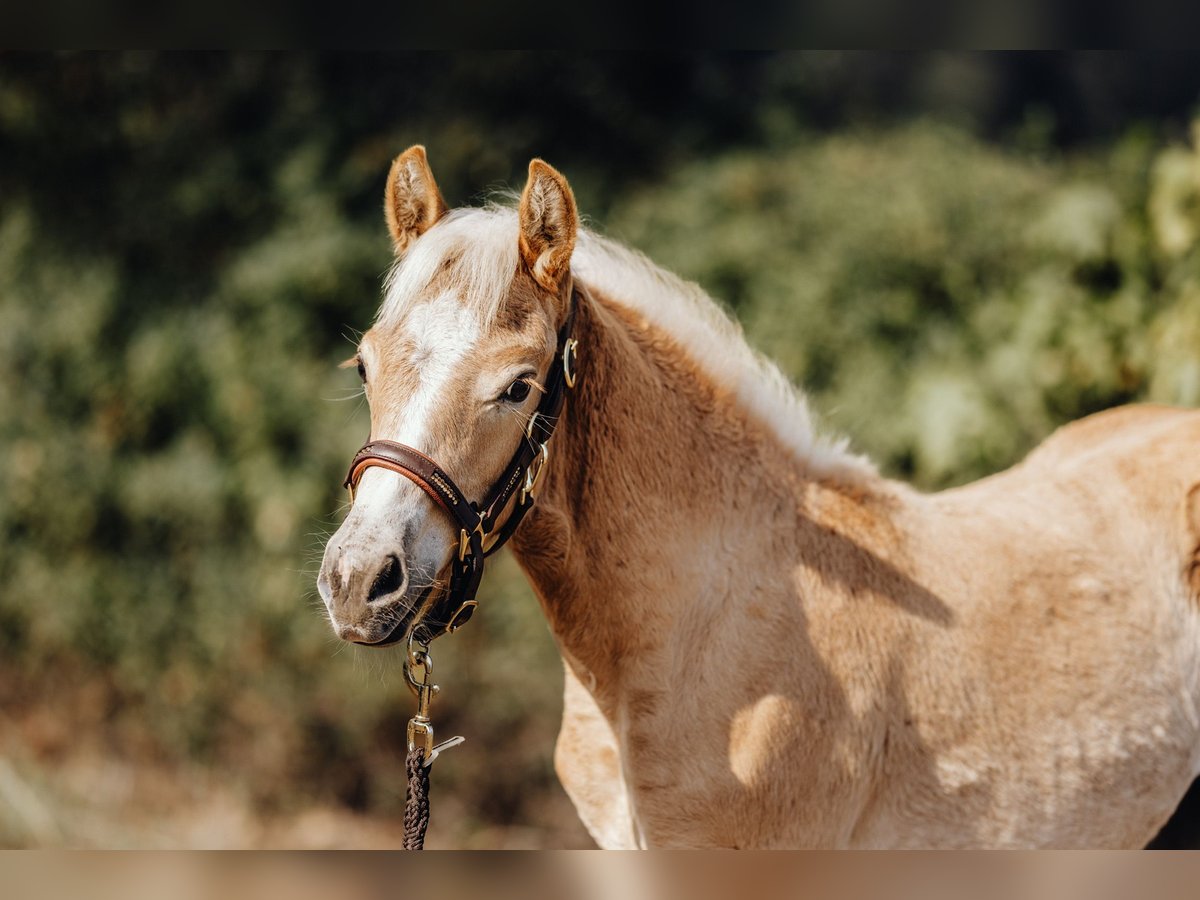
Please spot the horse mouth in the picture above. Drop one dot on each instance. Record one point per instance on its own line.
(401, 628)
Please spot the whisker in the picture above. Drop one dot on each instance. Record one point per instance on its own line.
(362, 396)
(524, 421)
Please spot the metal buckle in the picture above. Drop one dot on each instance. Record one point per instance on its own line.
(454, 623)
(464, 541)
(489, 539)
(570, 352)
(533, 475)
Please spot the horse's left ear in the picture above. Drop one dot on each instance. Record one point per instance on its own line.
(549, 223)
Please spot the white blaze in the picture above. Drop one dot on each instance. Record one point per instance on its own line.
(443, 333)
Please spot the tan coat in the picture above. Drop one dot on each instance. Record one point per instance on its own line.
(756, 658)
(766, 643)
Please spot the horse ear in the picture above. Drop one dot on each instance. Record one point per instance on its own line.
(412, 202)
(549, 223)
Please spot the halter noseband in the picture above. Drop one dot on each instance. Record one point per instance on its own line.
(479, 534)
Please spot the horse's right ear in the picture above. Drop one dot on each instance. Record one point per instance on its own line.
(412, 202)
(549, 223)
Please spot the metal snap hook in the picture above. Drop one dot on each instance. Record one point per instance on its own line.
(418, 672)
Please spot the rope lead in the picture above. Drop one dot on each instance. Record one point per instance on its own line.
(416, 806)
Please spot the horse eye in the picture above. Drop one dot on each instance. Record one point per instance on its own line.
(517, 392)
(362, 371)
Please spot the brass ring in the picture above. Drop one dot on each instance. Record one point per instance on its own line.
(533, 475)
(532, 420)
(568, 361)
(458, 620)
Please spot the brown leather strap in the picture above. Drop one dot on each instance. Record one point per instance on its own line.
(457, 604)
(421, 470)
(537, 434)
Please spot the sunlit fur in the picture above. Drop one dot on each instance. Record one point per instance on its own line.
(767, 644)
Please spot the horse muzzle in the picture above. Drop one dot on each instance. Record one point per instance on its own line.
(368, 596)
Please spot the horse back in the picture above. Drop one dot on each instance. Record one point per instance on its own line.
(1122, 431)
(1146, 456)
(1073, 581)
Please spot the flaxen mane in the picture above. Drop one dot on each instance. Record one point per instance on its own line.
(479, 247)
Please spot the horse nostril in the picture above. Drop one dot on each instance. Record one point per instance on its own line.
(388, 581)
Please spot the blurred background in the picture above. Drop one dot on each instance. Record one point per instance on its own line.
(953, 253)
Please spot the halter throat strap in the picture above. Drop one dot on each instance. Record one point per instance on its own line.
(481, 532)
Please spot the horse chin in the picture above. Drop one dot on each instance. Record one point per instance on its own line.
(403, 626)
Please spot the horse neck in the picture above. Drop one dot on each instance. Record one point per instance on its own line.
(662, 496)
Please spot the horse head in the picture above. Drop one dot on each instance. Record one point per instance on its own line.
(465, 351)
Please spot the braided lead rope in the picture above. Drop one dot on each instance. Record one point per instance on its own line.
(416, 807)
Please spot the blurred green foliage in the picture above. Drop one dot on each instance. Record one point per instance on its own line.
(187, 247)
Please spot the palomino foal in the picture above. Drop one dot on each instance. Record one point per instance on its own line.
(767, 644)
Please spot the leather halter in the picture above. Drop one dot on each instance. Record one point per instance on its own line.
(479, 534)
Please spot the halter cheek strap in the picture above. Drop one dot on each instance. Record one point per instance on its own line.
(479, 533)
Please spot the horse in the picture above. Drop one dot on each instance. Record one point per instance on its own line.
(767, 643)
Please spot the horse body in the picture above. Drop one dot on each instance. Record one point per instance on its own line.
(767, 644)
(760, 656)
